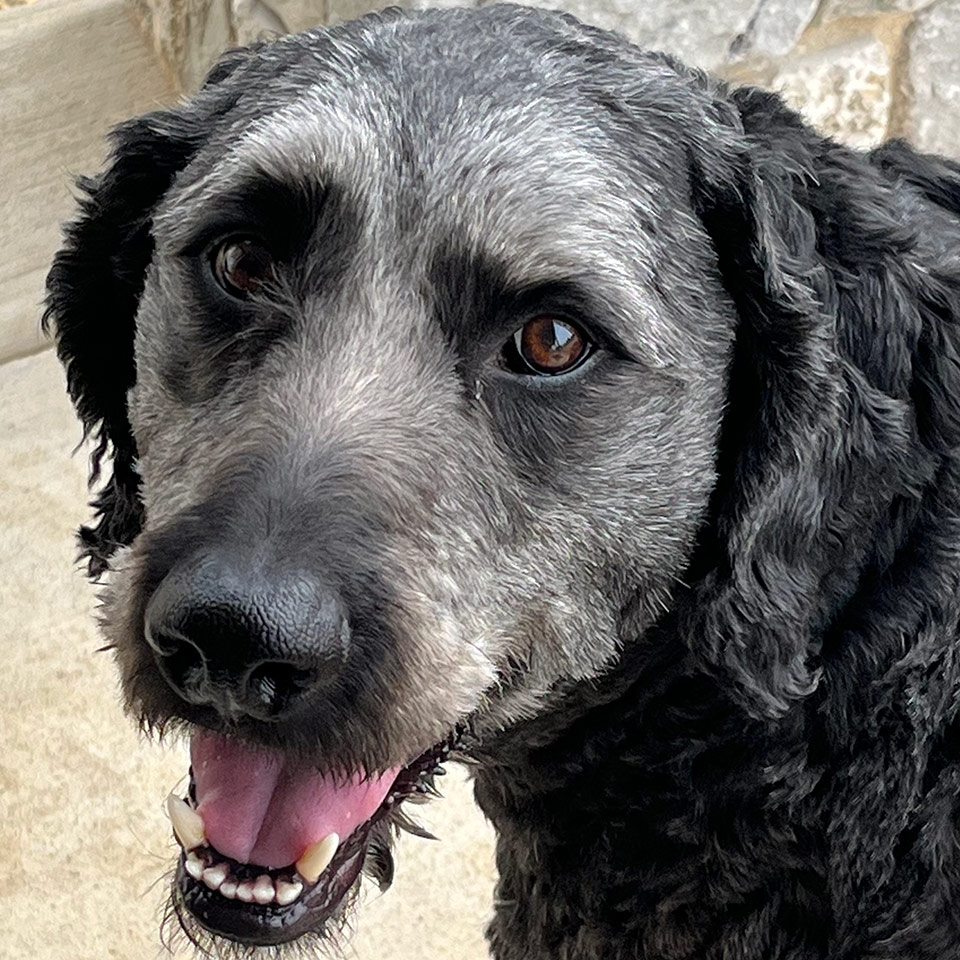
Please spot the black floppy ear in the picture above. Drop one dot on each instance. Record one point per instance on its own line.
(803, 429)
(94, 288)
(93, 291)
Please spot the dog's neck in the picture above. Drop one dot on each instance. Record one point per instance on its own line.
(650, 818)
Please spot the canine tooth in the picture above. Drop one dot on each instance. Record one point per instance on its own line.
(215, 875)
(194, 866)
(186, 822)
(245, 891)
(228, 889)
(288, 892)
(263, 890)
(316, 858)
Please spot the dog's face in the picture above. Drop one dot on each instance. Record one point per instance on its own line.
(412, 344)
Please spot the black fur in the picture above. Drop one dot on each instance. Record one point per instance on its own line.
(822, 604)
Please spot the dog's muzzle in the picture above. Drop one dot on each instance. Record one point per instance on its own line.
(271, 846)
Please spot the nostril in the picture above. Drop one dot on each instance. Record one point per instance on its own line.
(163, 642)
(180, 660)
(274, 684)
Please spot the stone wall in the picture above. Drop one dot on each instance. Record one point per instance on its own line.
(861, 70)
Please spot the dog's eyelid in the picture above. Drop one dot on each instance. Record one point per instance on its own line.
(203, 241)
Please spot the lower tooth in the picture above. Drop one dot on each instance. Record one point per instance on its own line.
(245, 891)
(194, 866)
(286, 892)
(263, 891)
(214, 876)
(228, 889)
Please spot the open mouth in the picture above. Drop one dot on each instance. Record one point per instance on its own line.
(270, 851)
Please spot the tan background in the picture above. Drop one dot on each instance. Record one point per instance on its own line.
(83, 842)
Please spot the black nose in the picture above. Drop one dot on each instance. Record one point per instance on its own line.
(244, 639)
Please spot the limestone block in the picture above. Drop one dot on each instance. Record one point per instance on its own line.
(188, 34)
(835, 9)
(298, 15)
(929, 112)
(340, 10)
(844, 91)
(699, 32)
(775, 27)
(253, 19)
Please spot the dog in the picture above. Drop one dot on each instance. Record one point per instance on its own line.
(477, 386)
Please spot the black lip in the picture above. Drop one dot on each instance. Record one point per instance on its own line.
(271, 924)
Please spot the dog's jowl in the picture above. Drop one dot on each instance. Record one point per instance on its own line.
(473, 385)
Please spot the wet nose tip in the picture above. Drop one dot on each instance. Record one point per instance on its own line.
(244, 639)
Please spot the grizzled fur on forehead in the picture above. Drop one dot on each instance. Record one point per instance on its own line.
(529, 166)
(540, 51)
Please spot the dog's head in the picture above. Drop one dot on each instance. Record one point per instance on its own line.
(410, 344)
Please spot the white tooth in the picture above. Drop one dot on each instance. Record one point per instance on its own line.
(215, 875)
(288, 892)
(263, 889)
(316, 858)
(228, 889)
(194, 866)
(245, 891)
(187, 823)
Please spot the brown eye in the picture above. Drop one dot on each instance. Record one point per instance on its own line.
(242, 266)
(550, 345)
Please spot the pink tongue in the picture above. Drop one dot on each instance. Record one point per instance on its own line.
(257, 809)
